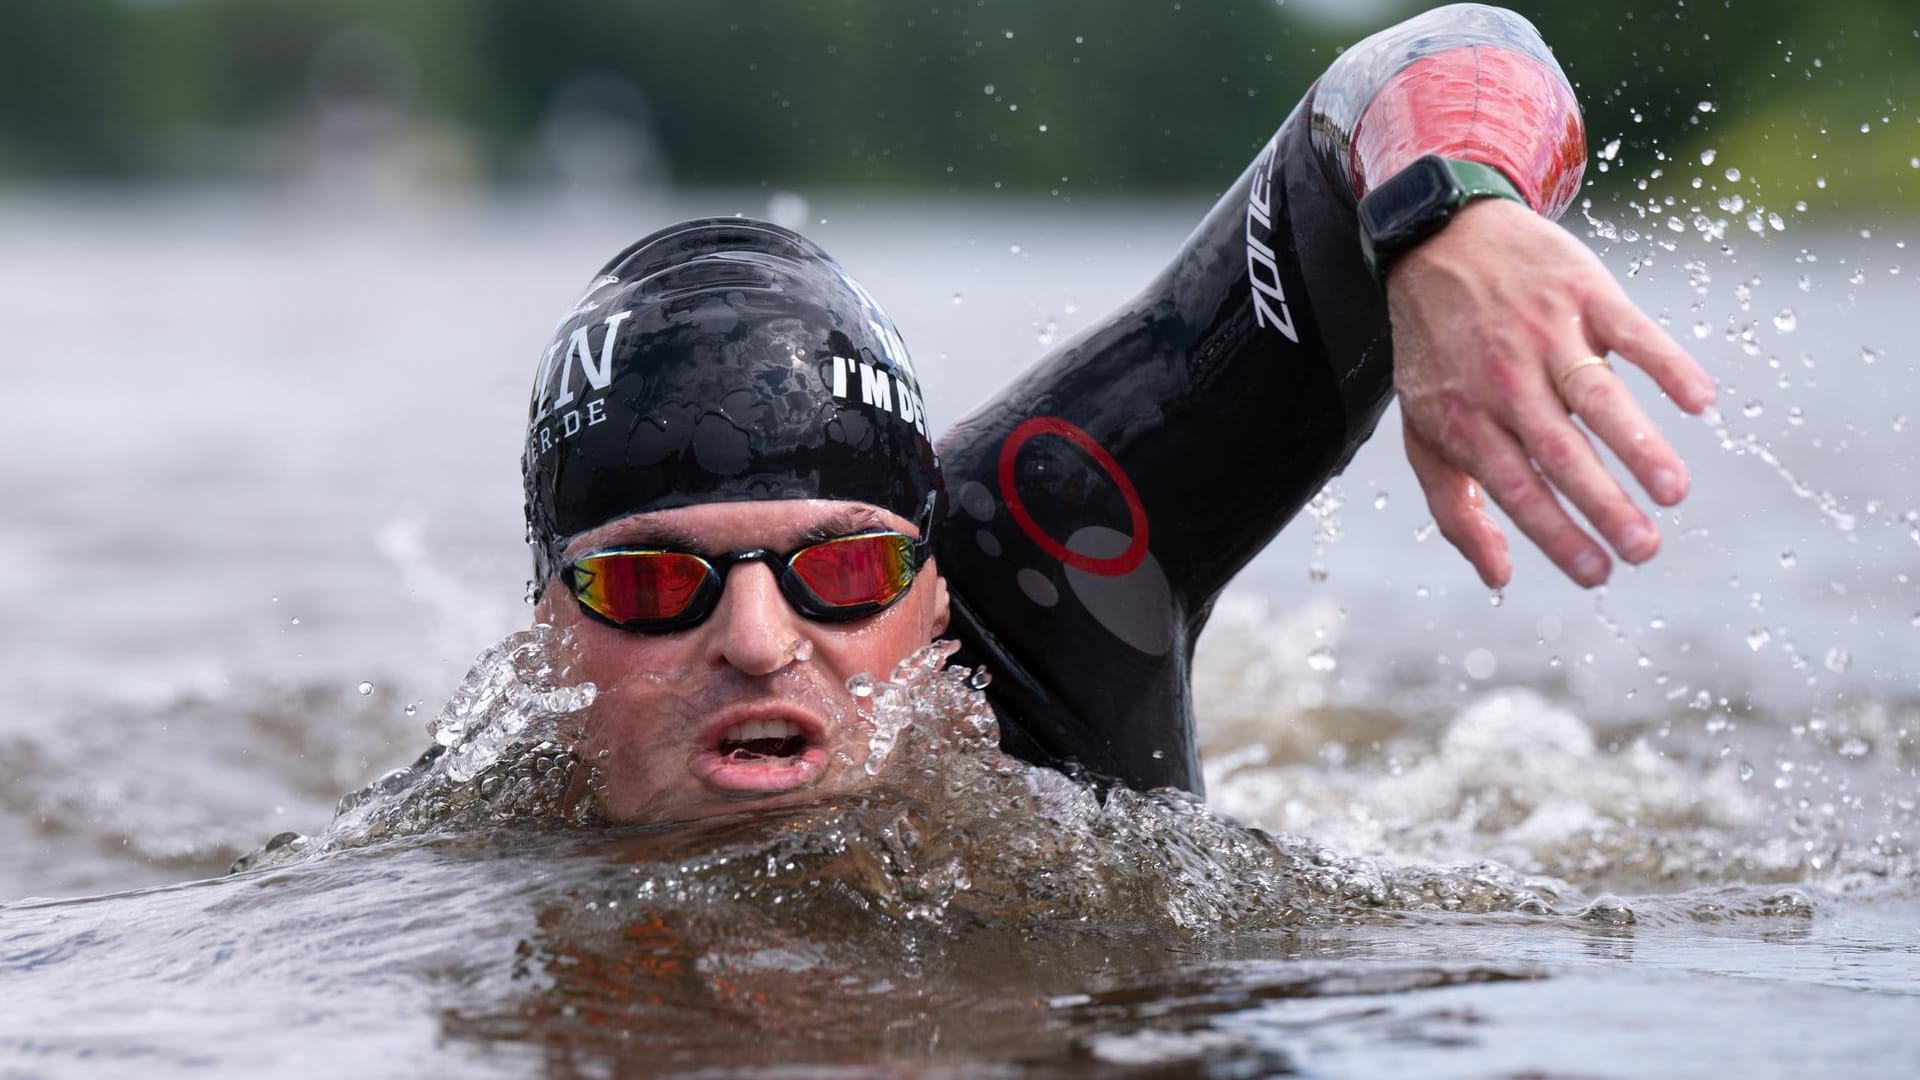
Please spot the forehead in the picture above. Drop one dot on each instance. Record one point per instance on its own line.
(777, 524)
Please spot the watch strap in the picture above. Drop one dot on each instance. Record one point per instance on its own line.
(1472, 180)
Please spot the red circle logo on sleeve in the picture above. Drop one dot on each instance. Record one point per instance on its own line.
(1123, 563)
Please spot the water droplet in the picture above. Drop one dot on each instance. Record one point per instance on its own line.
(1796, 417)
(1746, 770)
(957, 298)
(1788, 558)
(1706, 106)
(1497, 597)
(1758, 638)
(1013, 249)
(1380, 501)
(1608, 151)
(1868, 354)
(1321, 659)
(1786, 321)
(1752, 409)
(1480, 664)
(366, 688)
(987, 88)
(295, 621)
(412, 707)
(1707, 155)
(1838, 659)
(1733, 174)
(1778, 223)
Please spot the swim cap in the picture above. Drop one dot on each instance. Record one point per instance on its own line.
(721, 360)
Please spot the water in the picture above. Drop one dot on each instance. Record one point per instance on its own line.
(260, 465)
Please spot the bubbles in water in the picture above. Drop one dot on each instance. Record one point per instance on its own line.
(1322, 659)
(958, 298)
(295, 621)
(1733, 174)
(1788, 558)
(1758, 638)
(1013, 249)
(1380, 500)
(1707, 155)
(1838, 659)
(1868, 354)
(1786, 321)
(1608, 151)
(366, 689)
(1752, 409)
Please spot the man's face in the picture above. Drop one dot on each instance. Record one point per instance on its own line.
(675, 711)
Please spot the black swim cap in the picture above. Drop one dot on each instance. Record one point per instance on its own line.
(721, 360)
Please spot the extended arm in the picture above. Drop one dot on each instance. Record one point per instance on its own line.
(1099, 504)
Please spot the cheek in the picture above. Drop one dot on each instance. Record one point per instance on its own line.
(874, 647)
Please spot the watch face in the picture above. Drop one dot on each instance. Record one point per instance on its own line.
(1410, 206)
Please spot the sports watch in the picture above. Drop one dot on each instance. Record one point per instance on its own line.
(1420, 199)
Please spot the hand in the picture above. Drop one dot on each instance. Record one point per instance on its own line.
(1490, 317)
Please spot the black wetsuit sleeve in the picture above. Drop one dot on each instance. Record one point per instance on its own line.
(1099, 503)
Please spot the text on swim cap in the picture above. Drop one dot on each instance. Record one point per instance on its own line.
(878, 390)
(598, 372)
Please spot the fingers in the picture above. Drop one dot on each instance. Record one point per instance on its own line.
(1503, 467)
(1603, 403)
(1458, 513)
(1567, 459)
(1615, 323)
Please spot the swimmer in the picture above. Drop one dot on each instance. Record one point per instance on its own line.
(736, 505)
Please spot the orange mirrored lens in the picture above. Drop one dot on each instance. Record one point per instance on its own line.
(634, 586)
(856, 570)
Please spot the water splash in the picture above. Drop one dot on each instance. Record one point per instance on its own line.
(503, 752)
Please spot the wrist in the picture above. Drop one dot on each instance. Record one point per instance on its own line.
(1418, 201)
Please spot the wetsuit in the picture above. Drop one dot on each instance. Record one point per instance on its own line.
(1097, 505)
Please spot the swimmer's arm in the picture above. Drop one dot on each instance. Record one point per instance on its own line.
(1489, 312)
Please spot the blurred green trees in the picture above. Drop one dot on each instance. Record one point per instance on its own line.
(1083, 97)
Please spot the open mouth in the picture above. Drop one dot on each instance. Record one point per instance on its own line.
(763, 752)
(758, 740)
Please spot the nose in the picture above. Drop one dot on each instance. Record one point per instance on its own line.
(754, 630)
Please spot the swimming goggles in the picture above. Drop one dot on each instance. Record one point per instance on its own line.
(659, 590)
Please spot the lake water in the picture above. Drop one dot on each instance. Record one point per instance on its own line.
(260, 464)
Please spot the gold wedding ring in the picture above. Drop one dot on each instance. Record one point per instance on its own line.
(1577, 365)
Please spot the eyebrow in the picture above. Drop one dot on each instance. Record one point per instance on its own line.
(650, 534)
